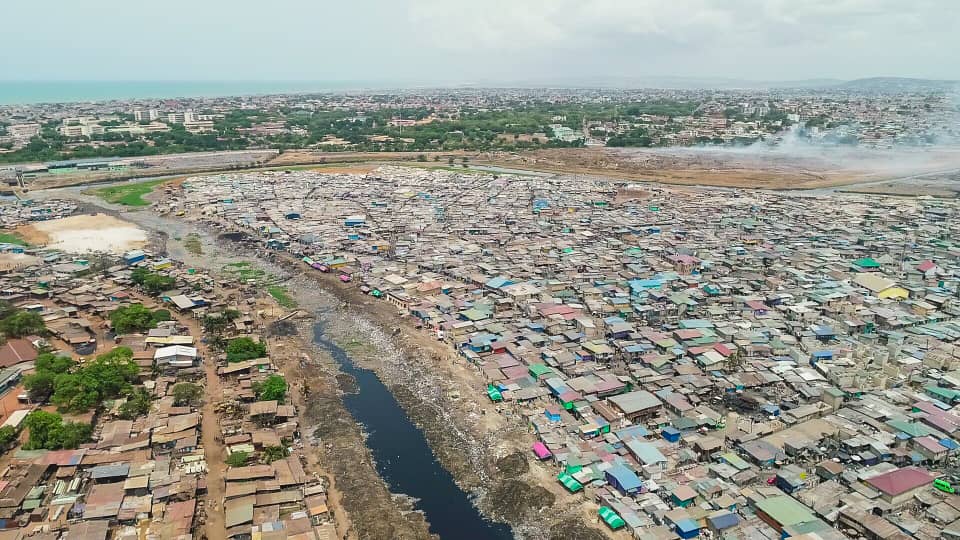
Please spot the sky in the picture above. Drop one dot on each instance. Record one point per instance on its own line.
(478, 41)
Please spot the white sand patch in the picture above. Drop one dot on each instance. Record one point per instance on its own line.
(99, 232)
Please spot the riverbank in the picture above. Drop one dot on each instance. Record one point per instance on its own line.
(484, 447)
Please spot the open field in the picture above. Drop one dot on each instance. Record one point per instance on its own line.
(910, 172)
(127, 194)
(809, 168)
(85, 233)
(12, 238)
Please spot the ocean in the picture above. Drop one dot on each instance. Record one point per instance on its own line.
(28, 92)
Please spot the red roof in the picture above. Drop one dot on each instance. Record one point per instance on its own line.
(723, 349)
(901, 480)
(16, 351)
(926, 266)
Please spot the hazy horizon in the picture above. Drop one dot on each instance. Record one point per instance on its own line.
(460, 42)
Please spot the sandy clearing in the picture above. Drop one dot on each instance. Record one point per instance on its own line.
(86, 233)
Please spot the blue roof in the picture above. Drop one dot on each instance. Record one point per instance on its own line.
(823, 354)
(724, 521)
(646, 452)
(695, 323)
(823, 331)
(949, 444)
(632, 432)
(687, 525)
(627, 479)
(497, 282)
(640, 284)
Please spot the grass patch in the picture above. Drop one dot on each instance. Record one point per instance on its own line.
(127, 194)
(192, 243)
(282, 297)
(243, 271)
(12, 238)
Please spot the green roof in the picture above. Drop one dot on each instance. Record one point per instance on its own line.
(946, 393)
(537, 370)
(569, 482)
(785, 510)
(866, 262)
(493, 393)
(913, 429)
(611, 518)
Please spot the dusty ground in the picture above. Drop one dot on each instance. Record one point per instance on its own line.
(304, 157)
(85, 233)
(13, 261)
(805, 168)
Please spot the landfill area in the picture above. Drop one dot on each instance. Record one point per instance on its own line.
(690, 361)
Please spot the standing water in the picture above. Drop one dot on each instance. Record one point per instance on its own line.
(404, 459)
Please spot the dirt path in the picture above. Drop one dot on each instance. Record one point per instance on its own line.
(215, 520)
(291, 364)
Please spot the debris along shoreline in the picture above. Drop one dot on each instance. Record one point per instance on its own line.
(416, 374)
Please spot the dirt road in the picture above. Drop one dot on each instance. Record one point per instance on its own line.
(213, 449)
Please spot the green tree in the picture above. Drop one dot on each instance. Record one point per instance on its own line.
(273, 388)
(71, 435)
(107, 377)
(137, 404)
(73, 392)
(49, 432)
(42, 425)
(39, 385)
(237, 459)
(244, 348)
(139, 275)
(22, 323)
(186, 394)
(8, 434)
(275, 453)
(132, 318)
(54, 363)
(156, 283)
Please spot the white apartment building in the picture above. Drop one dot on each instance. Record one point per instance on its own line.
(181, 117)
(148, 115)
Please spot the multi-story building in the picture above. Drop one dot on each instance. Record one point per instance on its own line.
(148, 115)
(181, 117)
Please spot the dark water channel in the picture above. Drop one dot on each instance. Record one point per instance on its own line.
(404, 459)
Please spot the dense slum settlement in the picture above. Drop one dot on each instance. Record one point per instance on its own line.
(699, 362)
(103, 391)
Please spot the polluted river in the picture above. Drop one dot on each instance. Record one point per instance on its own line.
(400, 451)
(404, 459)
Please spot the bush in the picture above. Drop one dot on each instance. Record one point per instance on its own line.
(240, 349)
(275, 453)
(237, 459)
(273, 388)
(186, 394)
(152, 282)
(8, 434)
(137, 404)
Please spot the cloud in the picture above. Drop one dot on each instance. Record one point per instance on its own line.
(692, 35)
